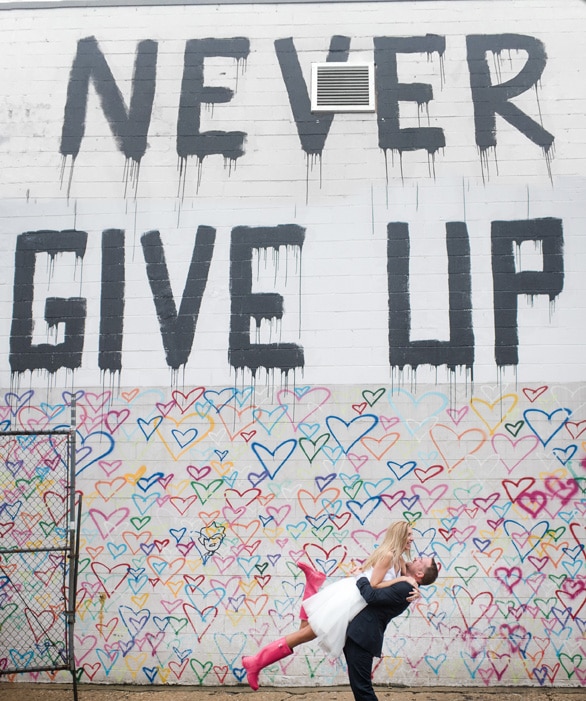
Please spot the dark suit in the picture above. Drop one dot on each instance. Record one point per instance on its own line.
(366, 631)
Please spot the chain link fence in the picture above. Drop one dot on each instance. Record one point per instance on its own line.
(37, 552)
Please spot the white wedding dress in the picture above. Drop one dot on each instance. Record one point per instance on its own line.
(333, 607)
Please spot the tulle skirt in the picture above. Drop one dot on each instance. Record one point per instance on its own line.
(330, 610)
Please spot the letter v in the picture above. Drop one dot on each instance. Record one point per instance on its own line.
(178, 329)
(312, 129)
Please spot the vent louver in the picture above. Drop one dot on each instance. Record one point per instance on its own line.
(342, 87)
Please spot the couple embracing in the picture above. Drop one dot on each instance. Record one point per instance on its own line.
(351, 615)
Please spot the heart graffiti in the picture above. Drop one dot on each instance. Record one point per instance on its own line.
(198, 504)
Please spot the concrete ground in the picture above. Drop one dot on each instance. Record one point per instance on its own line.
(104, 692)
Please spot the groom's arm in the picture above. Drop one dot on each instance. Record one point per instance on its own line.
(396, 594)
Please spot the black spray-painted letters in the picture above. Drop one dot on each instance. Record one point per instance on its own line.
(178, 328)
(490, 100)
(71, 312)
(243, 353)
(459, 350)
(508, 284)
(130, 126)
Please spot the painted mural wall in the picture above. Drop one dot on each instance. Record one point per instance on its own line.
(284, 330)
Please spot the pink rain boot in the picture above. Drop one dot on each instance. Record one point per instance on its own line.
(313, 581)
(273, 652)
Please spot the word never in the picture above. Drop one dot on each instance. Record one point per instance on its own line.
(130, 126)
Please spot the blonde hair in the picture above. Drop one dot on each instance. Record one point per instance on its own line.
(394, 543)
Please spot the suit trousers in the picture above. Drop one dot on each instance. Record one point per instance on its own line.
(359, 663)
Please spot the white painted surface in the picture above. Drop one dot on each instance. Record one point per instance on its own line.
(336, 307)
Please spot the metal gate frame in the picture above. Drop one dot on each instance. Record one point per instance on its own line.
(48, 649)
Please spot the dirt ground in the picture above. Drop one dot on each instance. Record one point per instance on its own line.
(104, 692)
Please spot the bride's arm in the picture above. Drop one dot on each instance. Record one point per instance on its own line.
(390, 582)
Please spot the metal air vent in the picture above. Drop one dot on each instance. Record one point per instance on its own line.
(342, 87)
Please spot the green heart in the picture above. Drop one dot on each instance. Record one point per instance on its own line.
(514, 429)
(412, 516)
(353, 489)
(196, 666)
(504, 606)
(138, 522)
(372, 398)
(6, 612)
(557, 533)
(47, 527)
(467, 573)
(546, 605)
(205, 491)
(571, 668)
(83, 564)
(317, 444)
(323, 532)
(313, 669)
(27, 495)
(177, 624)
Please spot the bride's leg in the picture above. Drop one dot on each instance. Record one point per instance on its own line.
(303, 635)
(313, 581)
(273, 652)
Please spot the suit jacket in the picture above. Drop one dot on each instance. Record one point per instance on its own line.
(368, 627)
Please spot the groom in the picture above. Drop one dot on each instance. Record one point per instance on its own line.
(364, 639)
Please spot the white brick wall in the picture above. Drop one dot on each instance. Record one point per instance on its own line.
(336, 307)
(271, 182)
